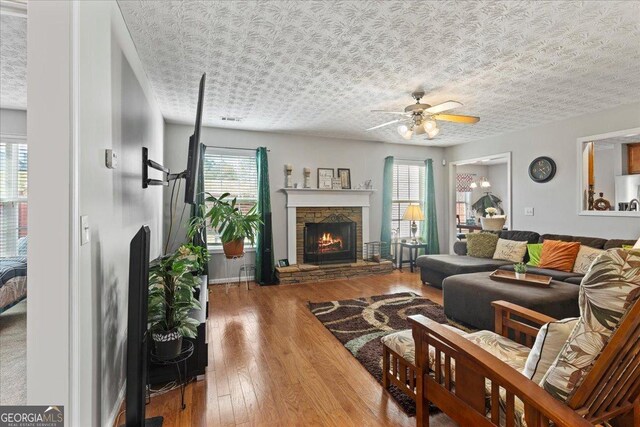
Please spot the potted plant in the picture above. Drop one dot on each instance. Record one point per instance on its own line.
(196, 231)
(232, 224)
(487, 201)
(521, 270)
(171, 288)
(490, 211)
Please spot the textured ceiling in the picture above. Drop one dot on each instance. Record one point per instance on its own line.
(319, 67)
(13, 62)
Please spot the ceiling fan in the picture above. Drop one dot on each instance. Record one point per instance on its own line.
(421, 119)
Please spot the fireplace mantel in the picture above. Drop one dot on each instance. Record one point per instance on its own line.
(312, 197)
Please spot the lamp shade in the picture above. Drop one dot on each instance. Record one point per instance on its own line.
(413, 213)
(636, 246)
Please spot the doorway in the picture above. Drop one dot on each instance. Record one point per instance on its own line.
(477, 185)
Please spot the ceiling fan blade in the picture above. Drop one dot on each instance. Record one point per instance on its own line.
(385, 124)
(404, 113)
(457, 118)
(445, 106)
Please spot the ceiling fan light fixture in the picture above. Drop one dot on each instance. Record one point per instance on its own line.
(403, 129)
(432, 133)
(429, 124)
(408, 134)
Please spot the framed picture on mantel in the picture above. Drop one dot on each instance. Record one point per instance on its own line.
(325, 177)
(345, 178)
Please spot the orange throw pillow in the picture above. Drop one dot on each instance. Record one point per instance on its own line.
(557, 255)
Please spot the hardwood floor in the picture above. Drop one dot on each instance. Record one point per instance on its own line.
(271, 362)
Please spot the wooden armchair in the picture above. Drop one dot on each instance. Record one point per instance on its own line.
(610, 389)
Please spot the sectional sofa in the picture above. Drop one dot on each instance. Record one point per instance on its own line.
(468, 291)
(435, 268)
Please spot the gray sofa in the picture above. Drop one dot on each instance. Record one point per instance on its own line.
(468, 291)
(435, 268)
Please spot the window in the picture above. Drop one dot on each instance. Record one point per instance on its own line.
(408, 188)
(463, 196)
(13, 198)
(230, 173)
(463, 206)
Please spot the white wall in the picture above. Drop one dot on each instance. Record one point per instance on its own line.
(556, 202)
(364, 158)
(117, 110)
(498, 176)
(13, 122)
(49, 134)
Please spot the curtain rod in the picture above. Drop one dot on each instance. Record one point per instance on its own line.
(232, 148)
(409, 160)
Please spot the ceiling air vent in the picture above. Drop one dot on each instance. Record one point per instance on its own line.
(231, 119)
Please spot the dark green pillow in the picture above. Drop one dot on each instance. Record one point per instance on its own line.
(481, 245)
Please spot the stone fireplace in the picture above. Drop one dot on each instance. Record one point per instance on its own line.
(306, 206)
(333, 239)
(326, 232)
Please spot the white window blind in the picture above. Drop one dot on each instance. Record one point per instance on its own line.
(13, 198)
(235, 174)
(408, 188)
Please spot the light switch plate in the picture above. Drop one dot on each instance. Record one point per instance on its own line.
(84, 230)
(528, 211)
(110, 159)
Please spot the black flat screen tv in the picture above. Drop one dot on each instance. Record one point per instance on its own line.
(137, 330)
(193, 161)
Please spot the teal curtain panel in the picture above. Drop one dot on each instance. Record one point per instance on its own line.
(430, 226)
(198, 209)
(264, 244)
(387, 198)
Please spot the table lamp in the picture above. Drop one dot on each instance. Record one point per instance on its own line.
(413, 213)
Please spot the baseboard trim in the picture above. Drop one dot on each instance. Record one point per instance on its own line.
(111, 419)
(232, 280)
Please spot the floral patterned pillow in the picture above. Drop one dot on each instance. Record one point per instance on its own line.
(607, 292)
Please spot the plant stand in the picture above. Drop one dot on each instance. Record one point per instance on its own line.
(180, 359)
(230, 262)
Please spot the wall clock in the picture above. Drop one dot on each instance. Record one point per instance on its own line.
(542, 169)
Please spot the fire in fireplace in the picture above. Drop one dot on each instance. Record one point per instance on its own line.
(331, 240)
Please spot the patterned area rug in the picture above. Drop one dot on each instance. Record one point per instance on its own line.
(360, 323)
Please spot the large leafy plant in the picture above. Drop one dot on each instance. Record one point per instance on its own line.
(196, 231)
(229, 221)
(487, 201)
(171, 293)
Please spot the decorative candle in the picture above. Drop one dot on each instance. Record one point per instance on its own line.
(307, 177)
(288, 181)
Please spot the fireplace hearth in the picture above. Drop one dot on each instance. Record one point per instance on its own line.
(332, 240)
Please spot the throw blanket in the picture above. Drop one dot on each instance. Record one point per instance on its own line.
(13, 281)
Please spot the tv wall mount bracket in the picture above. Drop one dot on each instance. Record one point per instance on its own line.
(167, 176)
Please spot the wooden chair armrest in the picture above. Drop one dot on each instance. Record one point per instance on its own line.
(523, 312)
(515, 329)
(473, 358)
